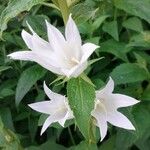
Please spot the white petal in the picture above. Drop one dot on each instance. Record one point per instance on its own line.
(54, 96)
(108, 89)
(22, 55)
(31, 56)
(75, 71)
(72, 33)
(43, 107)
(100, 114)
(121, 100)
(51, 119)
(87, 50)
(56, 39)
(35, 43)
(62, 121)
(80, 68)
(27, 39)
(118, 119)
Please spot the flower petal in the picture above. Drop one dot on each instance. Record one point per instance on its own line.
(121, 100)
(118, 119)
(87, 50)
(56, 39)
(43, 107)
(31, 56)
(51, 119)
(72, 32)
(22, 55)
(27, 39)
(108, 89)
(100, 114)
(54, 96)
(75, 71)
(35, 43)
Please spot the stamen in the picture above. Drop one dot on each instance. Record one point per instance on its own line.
(75, 60)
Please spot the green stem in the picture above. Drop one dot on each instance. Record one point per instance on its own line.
(72, 139)
(64, 10)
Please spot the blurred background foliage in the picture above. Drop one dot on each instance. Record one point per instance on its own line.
(120, 27)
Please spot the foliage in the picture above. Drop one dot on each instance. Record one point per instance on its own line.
(121, 28)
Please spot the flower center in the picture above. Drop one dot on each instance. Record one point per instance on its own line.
(75, 61)
(100, 106)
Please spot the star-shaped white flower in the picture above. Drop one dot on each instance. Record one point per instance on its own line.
(106, 106)
(63, 56)
(57, 108)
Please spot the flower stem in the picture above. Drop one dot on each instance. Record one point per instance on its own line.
(64, 10)
(72, 139)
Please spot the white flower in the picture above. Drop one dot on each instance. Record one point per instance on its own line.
(63, 56)
(106, 106)
(58, 109)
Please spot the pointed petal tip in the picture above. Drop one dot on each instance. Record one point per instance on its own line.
(47, 23)
(30, 28)
(31, 105)
(102, 139)
(110, 79)
(46, 89)
(12, 55)
(42, 132)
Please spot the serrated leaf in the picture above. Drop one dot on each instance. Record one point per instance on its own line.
(133, 23)
(27, 79)
(81, 96)
(129, 73)
(112, 29)
(13, 9)
(140, 8)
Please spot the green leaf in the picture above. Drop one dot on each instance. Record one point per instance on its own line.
(6, 92)
(140, 40)
(13, 9)
(37, 22)
(109, 144)
(83, 12)
(116, 48)
(50, 144)
(84, 146)
(3, 68)
(112, 29)
(146, 93)
(5, 114)
(133, 23)
(140, 8)
(8, 139)
(27, 79)
(125, 138)
(129, 73)
(97, 23)
(81, 96)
